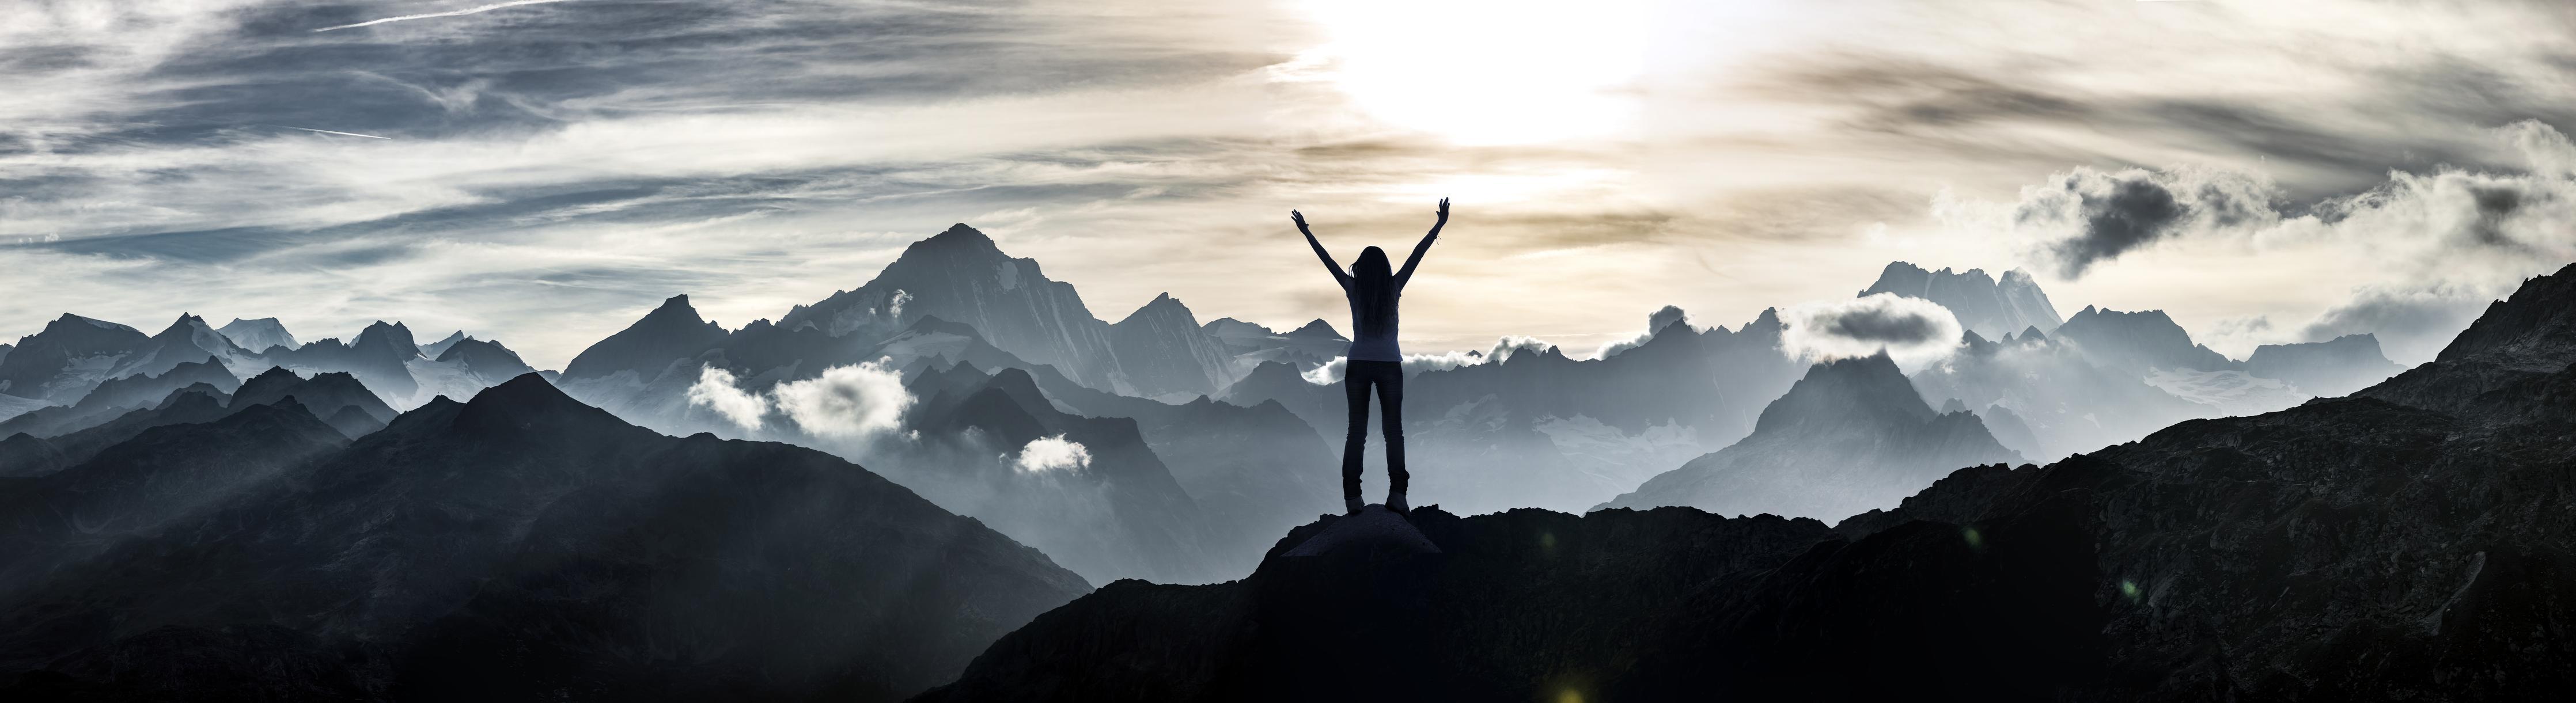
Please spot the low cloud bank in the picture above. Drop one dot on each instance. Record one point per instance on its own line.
(716, 389)
(1331, 371)
(847, 402)
(844, 402)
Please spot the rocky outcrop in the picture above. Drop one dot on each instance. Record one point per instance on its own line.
(1521, 605)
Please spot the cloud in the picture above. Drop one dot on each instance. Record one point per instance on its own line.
(2089, 216)
(1663, 317)
(559, 170)
(1051, 454)
(1912, 331)
(344, 134)
(454, 13)
(1331, 371)
(715, 389)
(846, 402)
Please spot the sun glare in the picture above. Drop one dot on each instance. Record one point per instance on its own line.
(1486, 72)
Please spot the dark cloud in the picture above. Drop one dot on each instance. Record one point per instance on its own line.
(2098, 216)
(1665, 317)
(1885, 326)
(1909, 329)
(2133, 213)
(2495, 204)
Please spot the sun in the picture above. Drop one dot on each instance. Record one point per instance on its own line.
(1486, 72)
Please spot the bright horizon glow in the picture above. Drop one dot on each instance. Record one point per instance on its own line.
(1485, 73)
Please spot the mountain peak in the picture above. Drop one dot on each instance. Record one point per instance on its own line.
(392, 336)
(958, 237)
(1769, 320)
(274, 374)
(2137, 341)
(258, 335)
(523, 390)
(1837, 390)
(1163, 307)
(670, 332)
(1317, 329)
(527, 403)
(69, 319)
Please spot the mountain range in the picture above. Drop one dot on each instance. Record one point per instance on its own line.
(2404, 542)
(682, 513)
(1519, 425)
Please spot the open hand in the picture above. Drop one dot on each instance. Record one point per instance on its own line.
(1444, 209)
(1297, 217)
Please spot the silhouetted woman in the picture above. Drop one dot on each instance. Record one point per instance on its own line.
(1374, 359)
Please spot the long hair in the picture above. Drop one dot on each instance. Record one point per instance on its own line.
(1372, 289)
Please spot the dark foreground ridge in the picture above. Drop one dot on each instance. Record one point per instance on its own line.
(2409, 542)
(519, 546)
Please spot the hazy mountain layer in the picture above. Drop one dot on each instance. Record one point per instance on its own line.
(1850, 437)
(118, 396)
(2329, 368)
(2136, 342)
(959, 275)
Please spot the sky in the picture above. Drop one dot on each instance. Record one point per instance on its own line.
(543, 173)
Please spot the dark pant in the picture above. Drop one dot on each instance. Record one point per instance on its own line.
(1388, 377)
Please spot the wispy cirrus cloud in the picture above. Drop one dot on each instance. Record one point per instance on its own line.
(549, 173)
(476, 10)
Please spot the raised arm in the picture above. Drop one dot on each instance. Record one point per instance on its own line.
(1424, 247)
(1338, 275)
